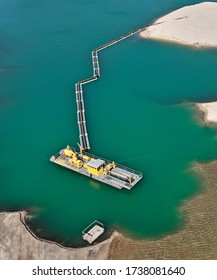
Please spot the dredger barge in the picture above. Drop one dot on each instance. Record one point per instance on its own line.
(84, 163)
(97, 168)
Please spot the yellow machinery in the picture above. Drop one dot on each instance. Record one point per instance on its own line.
(99, 169)
(68, 152)
(73, 158)
(76, 162)
(93, 166)
(109, 167)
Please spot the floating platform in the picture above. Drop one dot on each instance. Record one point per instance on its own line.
(97, 168)
(93, 231)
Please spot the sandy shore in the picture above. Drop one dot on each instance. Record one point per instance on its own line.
(194, 25)
(197, 26)
(210, 110)
(18, 243)
(196, 240)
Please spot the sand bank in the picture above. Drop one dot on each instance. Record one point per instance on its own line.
(194, 25)
(17, 242)
(210, 110)
(196, 240)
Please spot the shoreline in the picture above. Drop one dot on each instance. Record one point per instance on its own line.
(23, 244)
(28, 246)
(200, 21)
(195, 240)
(210, 111)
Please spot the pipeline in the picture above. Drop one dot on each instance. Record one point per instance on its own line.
(83, 135)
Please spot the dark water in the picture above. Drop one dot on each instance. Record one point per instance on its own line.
(137, 114)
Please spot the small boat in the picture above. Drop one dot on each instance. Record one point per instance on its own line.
(93, 231)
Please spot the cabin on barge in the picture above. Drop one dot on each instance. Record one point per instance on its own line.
(97, 168)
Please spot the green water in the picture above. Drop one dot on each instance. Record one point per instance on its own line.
(137, 114)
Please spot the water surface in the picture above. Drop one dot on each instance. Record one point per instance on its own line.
(137, 114)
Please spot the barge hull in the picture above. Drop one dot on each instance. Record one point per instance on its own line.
(113, 181)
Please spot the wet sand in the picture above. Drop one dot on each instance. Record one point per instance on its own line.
(18, 243)
(198, 238)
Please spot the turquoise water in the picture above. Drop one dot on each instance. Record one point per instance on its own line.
(137, 114)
